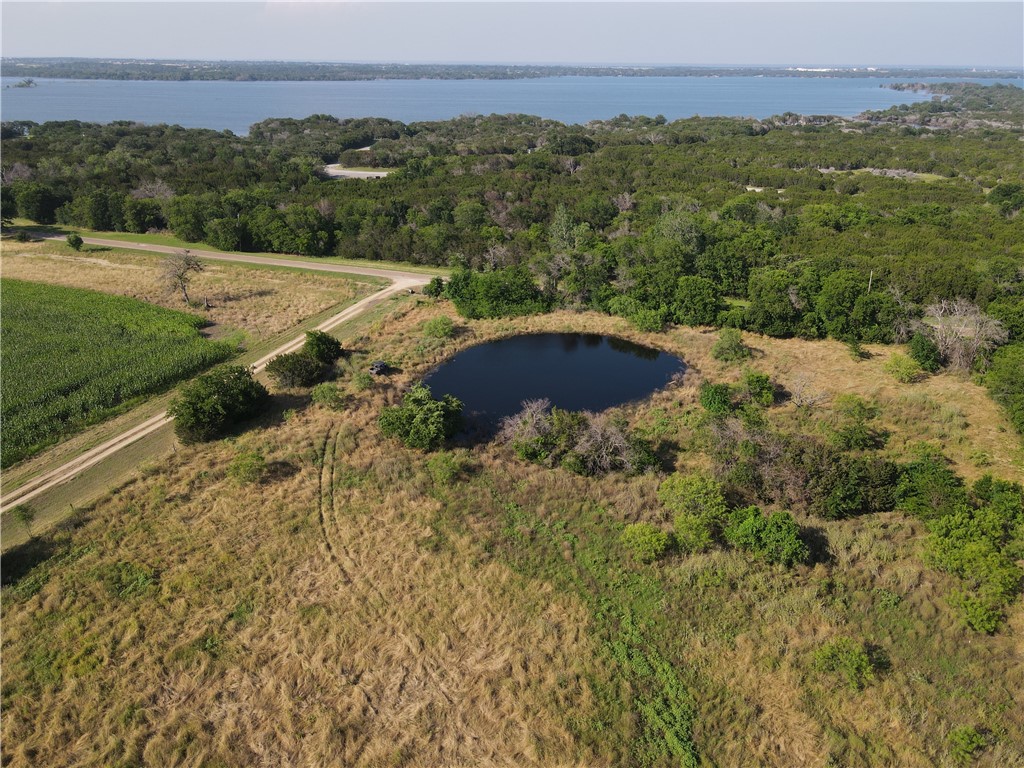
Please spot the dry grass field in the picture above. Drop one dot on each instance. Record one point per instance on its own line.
(364, 604)
(258, 301)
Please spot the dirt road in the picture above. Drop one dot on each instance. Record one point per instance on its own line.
(402, 282)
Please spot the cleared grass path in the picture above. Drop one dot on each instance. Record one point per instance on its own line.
(401, 282)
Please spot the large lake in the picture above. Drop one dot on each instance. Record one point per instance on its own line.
(575, 371)
(222, 105)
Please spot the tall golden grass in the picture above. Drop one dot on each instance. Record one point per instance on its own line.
(349, 609)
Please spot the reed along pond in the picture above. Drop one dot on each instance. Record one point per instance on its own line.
(575, 371)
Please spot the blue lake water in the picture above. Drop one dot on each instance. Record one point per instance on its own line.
(223, 105)
(575, 371)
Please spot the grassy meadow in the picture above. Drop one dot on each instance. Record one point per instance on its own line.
(310, 594)
(254, 303)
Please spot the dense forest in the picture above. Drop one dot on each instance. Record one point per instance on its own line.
(898, 225)
(163, 69)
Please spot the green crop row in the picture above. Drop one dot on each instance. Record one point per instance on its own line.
(69, 357)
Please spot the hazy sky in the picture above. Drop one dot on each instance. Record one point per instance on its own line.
(797, 33)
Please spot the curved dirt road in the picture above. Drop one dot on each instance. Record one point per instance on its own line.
(401, 282)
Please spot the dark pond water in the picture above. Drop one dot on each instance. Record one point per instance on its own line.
(574, 371)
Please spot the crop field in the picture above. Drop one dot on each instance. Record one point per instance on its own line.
(388, 607)
(71, 357)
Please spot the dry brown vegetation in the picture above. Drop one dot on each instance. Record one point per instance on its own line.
(353, 608)
(261, 302)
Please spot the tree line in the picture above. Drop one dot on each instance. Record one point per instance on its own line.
(844, 229)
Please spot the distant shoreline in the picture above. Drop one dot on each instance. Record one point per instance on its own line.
(271, 71)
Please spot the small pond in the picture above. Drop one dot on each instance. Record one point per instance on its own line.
(575, 371)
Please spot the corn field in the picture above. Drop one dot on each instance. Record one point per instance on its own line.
(70, 357)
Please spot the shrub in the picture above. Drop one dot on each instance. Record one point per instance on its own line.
(775, 538)
(643, 318)
(247, 467)
(295, 369)
(444, 469)
(699, 509)
(421, 421)
(322, 347)
(964, 742)
(730, 347)
(758, 388)
(439, 327)
(925, 353)
(215, 402)
(927, 487)
(584, 443)
(434, 288)
(329, 396)
(716, 399)
(75, 241)
(852, 431)
(849, 659)
(362, 381)
(1006, 384)
(646, 542)
(902, 368)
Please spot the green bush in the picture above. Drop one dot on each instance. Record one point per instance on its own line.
(421, 421)
(716, 399)
(444, 469)
(215, 402)
(852, 431)
(643, 318)
(925, 353)
(699, 509)
(646, 542)
(902, 368)
(247, 468)
(295, 369)
(849, 659)
(440, 327)
(329, 396)
(964, 743)
(730, 347)
(75, 241)
(322, 347)
(1005, 382)
(758, 388)
(362, 380)
(434, 288)
(775, 538)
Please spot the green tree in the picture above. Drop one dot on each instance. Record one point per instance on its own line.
(216, 402)
(322, 347)
(295, 369)
(925, 352)
(75, 241)
(697, 301)
(37, 202)
(421, 421)
(835, 303)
